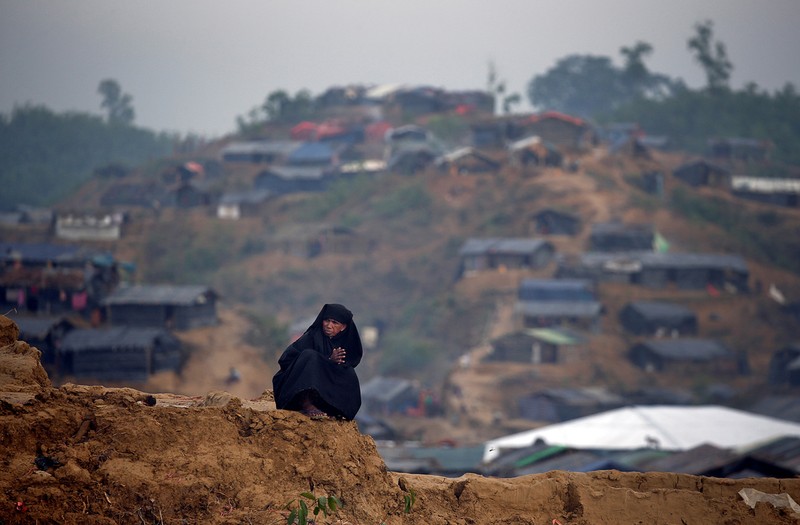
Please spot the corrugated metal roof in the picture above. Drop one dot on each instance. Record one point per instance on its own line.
(43, 252)
(784, 451)
(698, 460)
(316, 152)
(694, 260)
(619, 228)
(559, 308)
(547, 290)
(384, 388)
(160, 294)
(556, 284)
(243, 197)
(581, 396)
(35, 326)
(122, 337)
(650, 259)
(702, 163)
(661, 309)
(476, 246)
(688, 349)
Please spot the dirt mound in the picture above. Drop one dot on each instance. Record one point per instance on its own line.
(91, 455)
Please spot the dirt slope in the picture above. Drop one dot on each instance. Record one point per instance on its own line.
(91, 455)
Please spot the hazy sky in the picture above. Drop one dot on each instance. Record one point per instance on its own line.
(195, 65)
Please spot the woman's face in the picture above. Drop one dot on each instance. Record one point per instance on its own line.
(331, 327)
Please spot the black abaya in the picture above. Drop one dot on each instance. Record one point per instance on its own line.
(306, 368)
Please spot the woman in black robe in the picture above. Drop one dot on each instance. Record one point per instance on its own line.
(317, 372)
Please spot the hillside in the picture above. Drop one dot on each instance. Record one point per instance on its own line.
(96, 455)
(407, 281)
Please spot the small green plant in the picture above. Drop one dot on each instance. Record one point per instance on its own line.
(298, 508)
(409, 500)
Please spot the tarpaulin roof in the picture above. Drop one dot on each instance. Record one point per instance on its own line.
(667, 427)
(509, 245)
(558, 116)
(553, 336)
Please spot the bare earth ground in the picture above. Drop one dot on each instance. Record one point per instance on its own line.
(97, 455)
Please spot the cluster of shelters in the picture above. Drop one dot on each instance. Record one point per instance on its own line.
(687, 356)
(705, 440)
(73, 305)
(317, 154)
(552, 316)
(184, 185)
(779, 191)
(55, 279)
(545, 303)
(551, 313)
(25, 215)
(620, 237)
(386, 395)
(686, 271)
(504, 253)
(135, 339)
(312, 161)
(538, 345)
(658, 319)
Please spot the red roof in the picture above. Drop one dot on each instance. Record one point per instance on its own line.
(195, 167)
(465, 109)
(556, 115)
(303, 131)
(330, 129)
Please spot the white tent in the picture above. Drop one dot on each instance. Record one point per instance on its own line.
(664, 427)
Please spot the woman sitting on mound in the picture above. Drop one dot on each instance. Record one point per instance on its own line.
(317, 372)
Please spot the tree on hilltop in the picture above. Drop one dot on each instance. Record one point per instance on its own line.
(712, 56)
(116, 103)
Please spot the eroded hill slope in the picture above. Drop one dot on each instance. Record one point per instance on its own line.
(92, 455)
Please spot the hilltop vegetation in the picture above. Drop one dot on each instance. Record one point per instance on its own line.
(44, 156)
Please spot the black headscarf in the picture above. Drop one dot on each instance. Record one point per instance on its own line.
(349, 338)
(306, 366)
(337, 312)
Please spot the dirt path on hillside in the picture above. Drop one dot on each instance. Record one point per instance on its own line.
(214, 351)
